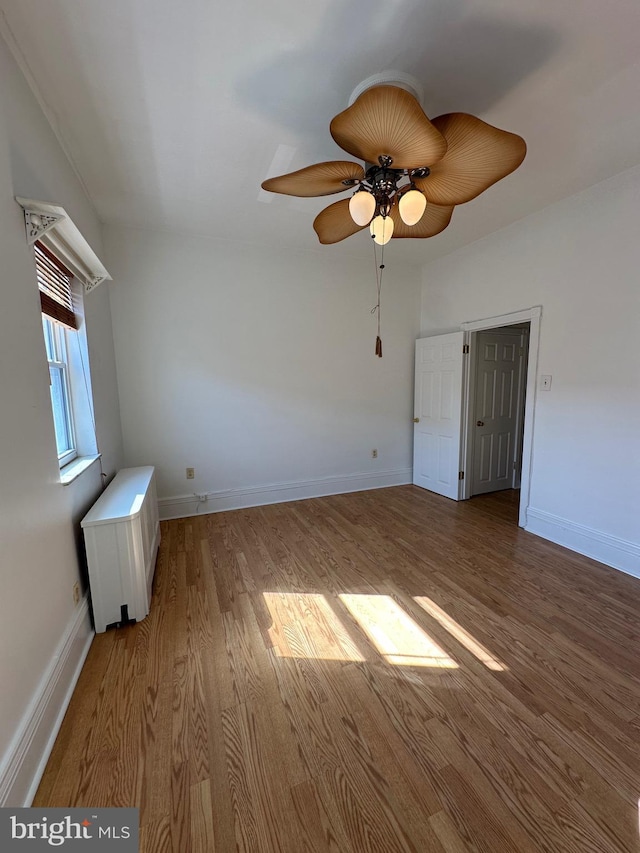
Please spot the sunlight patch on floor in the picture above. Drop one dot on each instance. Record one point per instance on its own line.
(394, 633)
(463, 637)
(305, 626)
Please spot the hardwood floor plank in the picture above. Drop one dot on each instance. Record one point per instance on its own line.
(390, 748)
(180, 779)
(244, 813)
(476, 820)
(447, 834)
(201, 835)
(370, 823)
(279, 726)
(221, 799)
(155, 836)
(240, 656)
(318, 832)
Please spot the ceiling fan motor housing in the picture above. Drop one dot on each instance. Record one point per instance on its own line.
(384, 182)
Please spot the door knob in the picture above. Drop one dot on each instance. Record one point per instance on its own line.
(416, 420)
(479, 423)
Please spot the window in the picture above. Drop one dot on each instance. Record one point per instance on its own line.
(56, 346)
(58, 322)
(67, 268)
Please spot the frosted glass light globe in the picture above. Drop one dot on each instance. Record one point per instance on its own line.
(382, 229)
(412, 206)
(362, 206)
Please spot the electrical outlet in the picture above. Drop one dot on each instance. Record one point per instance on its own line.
(76, 593)
(191, 473)
(374, 453)
(203, 497)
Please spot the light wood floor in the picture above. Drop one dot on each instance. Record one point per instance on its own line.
(383, 671)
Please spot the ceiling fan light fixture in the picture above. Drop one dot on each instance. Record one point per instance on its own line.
(411, 206)
(381, 229)
(407, 157)
(362, 206)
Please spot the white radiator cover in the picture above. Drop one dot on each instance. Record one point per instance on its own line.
(122, 535)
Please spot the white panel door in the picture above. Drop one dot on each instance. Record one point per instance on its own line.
(496, 411)
(438, 414)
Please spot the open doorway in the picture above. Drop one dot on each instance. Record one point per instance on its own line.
(499, 392)
(451, 451)
(496, 392)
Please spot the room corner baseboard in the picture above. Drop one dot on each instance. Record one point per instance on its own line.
(183, 506)
(617, 553)
(27, 756)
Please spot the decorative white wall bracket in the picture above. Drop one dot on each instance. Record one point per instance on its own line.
(38, 224)
(95, 280)
(53, 226)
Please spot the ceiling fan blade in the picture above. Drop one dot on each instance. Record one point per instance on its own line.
(334, 223)
(388, 120)
(321, 179)
(478, 155)
(434, 220)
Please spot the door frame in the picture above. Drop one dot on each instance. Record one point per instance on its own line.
(533, 316)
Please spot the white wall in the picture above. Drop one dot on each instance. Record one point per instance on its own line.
(38, 516)
(257, 367)
(579, 259)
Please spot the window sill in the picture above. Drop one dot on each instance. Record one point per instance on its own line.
(79, 465)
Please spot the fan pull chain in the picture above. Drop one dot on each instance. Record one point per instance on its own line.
(376, 308)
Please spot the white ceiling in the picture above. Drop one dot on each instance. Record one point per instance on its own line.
(173, 112)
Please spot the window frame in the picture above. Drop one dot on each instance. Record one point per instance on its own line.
(55, 338)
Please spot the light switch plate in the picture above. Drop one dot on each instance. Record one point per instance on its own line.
(545, 383)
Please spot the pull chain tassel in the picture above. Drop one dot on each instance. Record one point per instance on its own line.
(376, 309)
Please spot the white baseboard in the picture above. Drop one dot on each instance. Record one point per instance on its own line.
(24, 762)
(617, 553)
(186, 505)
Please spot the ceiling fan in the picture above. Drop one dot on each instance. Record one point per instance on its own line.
(415, 170)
